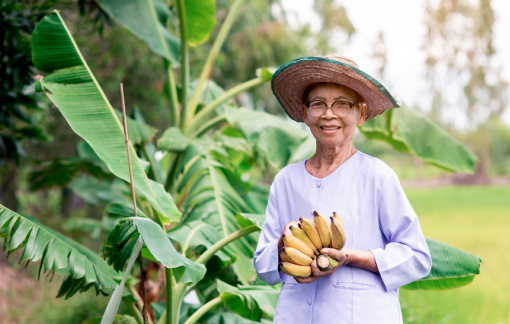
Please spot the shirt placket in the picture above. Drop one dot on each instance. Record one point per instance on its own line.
(311, 300)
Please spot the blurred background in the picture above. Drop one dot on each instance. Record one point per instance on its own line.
(445, 58)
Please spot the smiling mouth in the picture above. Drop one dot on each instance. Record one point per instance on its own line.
(330, 127)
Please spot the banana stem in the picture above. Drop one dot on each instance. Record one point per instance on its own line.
(152, 171)
(204, 309)
(132, 309)
(169, 295)
(224, 241)
(191, 106)
(172, 92)
(204, 113)
(176, 298)
(210, 124)
(181, 10)
(170, 178)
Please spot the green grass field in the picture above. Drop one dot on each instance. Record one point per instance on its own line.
(475, 219)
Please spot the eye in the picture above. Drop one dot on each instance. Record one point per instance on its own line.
(342, 104)
(316, 104)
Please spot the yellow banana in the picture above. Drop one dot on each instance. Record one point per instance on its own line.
(325, 262)
(300, 234)
(296, 256)
(311, 231)
(284, 257)
(295, 270)
(322, 228)
(291, 241)
(337, 234)
(339, 218)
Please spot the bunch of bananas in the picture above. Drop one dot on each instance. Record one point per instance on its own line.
(306, 243)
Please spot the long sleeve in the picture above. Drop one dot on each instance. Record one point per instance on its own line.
(265, 258)
(406, 257)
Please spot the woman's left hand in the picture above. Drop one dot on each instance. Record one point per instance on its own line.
(340, 255)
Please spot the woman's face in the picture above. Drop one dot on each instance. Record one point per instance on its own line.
(329, 129)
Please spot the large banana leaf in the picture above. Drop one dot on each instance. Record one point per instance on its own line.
(198, 234)
(210, 196)
(84, 269)
(74, 90)
(409, 131)
(121, 240)
(200, 19)
(251, 302)
(141, 18)
(138, 131)
(229, 318)
(451, 268)
(276, 139)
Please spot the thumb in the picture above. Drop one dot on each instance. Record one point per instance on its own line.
(334, 253)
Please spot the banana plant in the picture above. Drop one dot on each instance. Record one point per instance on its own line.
(200, 215)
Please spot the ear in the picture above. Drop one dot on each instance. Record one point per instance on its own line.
(362, 114)
(304, 111)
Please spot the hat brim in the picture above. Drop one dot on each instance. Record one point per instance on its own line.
(291, 80)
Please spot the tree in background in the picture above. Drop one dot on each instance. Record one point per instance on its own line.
(450, 24)
(21, 114)
(460, 51)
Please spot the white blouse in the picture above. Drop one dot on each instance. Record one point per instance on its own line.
(368, 196)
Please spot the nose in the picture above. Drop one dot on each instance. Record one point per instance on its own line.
(329, 114)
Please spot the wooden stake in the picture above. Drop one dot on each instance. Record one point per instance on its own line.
(126, 138)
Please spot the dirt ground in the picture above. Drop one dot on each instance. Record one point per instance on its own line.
(16, 286)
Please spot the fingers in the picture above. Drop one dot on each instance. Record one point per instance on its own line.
(287, 230)
(306, 280)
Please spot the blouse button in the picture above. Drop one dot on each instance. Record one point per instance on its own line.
(318, 184)
(309, 301)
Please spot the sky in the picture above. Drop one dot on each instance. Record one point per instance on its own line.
(402, 22)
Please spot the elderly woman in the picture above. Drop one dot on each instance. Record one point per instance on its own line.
(385, 247)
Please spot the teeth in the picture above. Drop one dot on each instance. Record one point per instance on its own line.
(329, 128)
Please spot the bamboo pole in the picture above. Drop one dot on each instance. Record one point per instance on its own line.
(126, 138)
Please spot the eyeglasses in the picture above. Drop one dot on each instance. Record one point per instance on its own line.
(318, 108)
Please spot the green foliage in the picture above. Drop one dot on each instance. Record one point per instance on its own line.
(84, 269)
(217, 154)
(251, 302)
(122, 238)
(145, 24)
(408, 131)
(119, 319)
(19, 110)
(451, 268)
(200, 19)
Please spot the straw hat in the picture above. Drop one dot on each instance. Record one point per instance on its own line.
(292, 79)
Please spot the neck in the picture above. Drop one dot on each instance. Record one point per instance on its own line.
(327, 159)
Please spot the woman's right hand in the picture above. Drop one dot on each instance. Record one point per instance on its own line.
(286, 231)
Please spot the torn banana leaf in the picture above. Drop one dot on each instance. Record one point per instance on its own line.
(83, 268)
